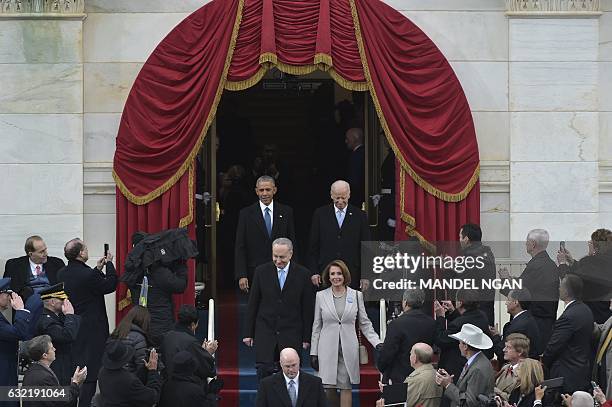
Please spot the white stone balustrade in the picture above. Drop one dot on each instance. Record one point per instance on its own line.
(41, 7)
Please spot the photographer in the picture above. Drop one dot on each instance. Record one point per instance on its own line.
(164, 280)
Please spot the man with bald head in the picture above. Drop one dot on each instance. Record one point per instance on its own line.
(336, 234)
(86, 287)
(541, 278)
(291, 387)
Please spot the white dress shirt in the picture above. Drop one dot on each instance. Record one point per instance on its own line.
(263, 207)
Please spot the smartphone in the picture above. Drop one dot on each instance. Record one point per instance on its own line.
(562, 245)
(105, 249)
(595, 386)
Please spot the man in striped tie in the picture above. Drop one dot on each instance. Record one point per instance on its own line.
(292, 387)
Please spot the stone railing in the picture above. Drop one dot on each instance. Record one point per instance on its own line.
(42, 7)
(553, 6)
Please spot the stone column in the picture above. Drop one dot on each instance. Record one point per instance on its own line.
(41, 124)
(554, 119)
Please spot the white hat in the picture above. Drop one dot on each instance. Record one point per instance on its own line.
(473, 336)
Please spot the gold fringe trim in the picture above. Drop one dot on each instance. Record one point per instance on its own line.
(323, 61)
(268, 59)
(144, 199)
(346, 84)
(126, 301)
(247, 83)
(191, 182)
(445, 196)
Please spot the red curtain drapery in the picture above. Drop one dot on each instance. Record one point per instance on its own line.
(362, 44)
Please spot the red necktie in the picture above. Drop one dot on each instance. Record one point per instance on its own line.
(509, 371)
(38, 270)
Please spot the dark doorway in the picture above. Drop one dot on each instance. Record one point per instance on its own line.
(288, 127)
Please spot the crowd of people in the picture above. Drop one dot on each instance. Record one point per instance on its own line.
(447, 357)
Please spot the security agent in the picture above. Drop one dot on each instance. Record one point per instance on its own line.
(62, 325)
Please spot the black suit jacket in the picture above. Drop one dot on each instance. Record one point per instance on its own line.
(541, 278)
(253, 245)
(86, 288)
(411, 327)
(38, 375)
(450, 356)
(329, 242)
(18, 269)
(522, 324)
(569, 352)
(273, 391)
(278, 318)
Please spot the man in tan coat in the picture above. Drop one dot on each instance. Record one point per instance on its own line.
(421, 383)
(422, 388)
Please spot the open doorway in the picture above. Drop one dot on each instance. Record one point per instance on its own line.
(291, 128)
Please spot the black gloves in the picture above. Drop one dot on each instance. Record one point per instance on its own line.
(314, 362)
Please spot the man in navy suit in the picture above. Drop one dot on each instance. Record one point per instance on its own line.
(521, 322)
(35, 271)
(568, 353)
(336, 234)
(10, 335)
(292, 387)
(258, 226)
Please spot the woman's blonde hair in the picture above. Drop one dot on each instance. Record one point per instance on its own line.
(530, 375)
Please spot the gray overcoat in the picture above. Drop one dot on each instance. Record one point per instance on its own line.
(328, 331)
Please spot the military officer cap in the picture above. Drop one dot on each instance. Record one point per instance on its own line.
(55, 291)
(5, 285)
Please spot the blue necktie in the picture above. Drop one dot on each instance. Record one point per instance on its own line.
(268, 220)
(282, 276)
(339, 217)
(292, 393)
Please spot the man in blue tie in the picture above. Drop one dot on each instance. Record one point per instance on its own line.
(336, 234)
(291, 387)
(258, 225)
(280, 309)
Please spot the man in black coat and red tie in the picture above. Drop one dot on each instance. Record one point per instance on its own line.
(258, 225)
(568, 353)
(280, 310)
(291, 387)
(86, 287)
(34, 271)
(336, 234)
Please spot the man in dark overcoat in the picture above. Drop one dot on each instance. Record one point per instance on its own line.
(336, 234)
(258, 225)
(280, 310)
(86, 287)
(42, 352)
(62, 325)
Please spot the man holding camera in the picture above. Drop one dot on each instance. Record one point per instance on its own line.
(86, 287)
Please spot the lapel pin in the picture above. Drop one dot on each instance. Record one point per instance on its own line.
(280, 216)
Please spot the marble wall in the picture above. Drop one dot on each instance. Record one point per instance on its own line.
(41, 128)
(539, 89)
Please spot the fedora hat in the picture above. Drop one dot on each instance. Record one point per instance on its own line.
(473, 336)
(116, 354)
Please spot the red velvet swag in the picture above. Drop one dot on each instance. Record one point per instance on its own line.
(362, 44)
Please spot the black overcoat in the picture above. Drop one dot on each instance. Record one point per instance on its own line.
(63, 330)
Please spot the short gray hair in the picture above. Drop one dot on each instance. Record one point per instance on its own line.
(38, 346)
(540, 237)
(265, 178)
(414, 298)
(338, 185)
(283, 241)
(582, 399)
